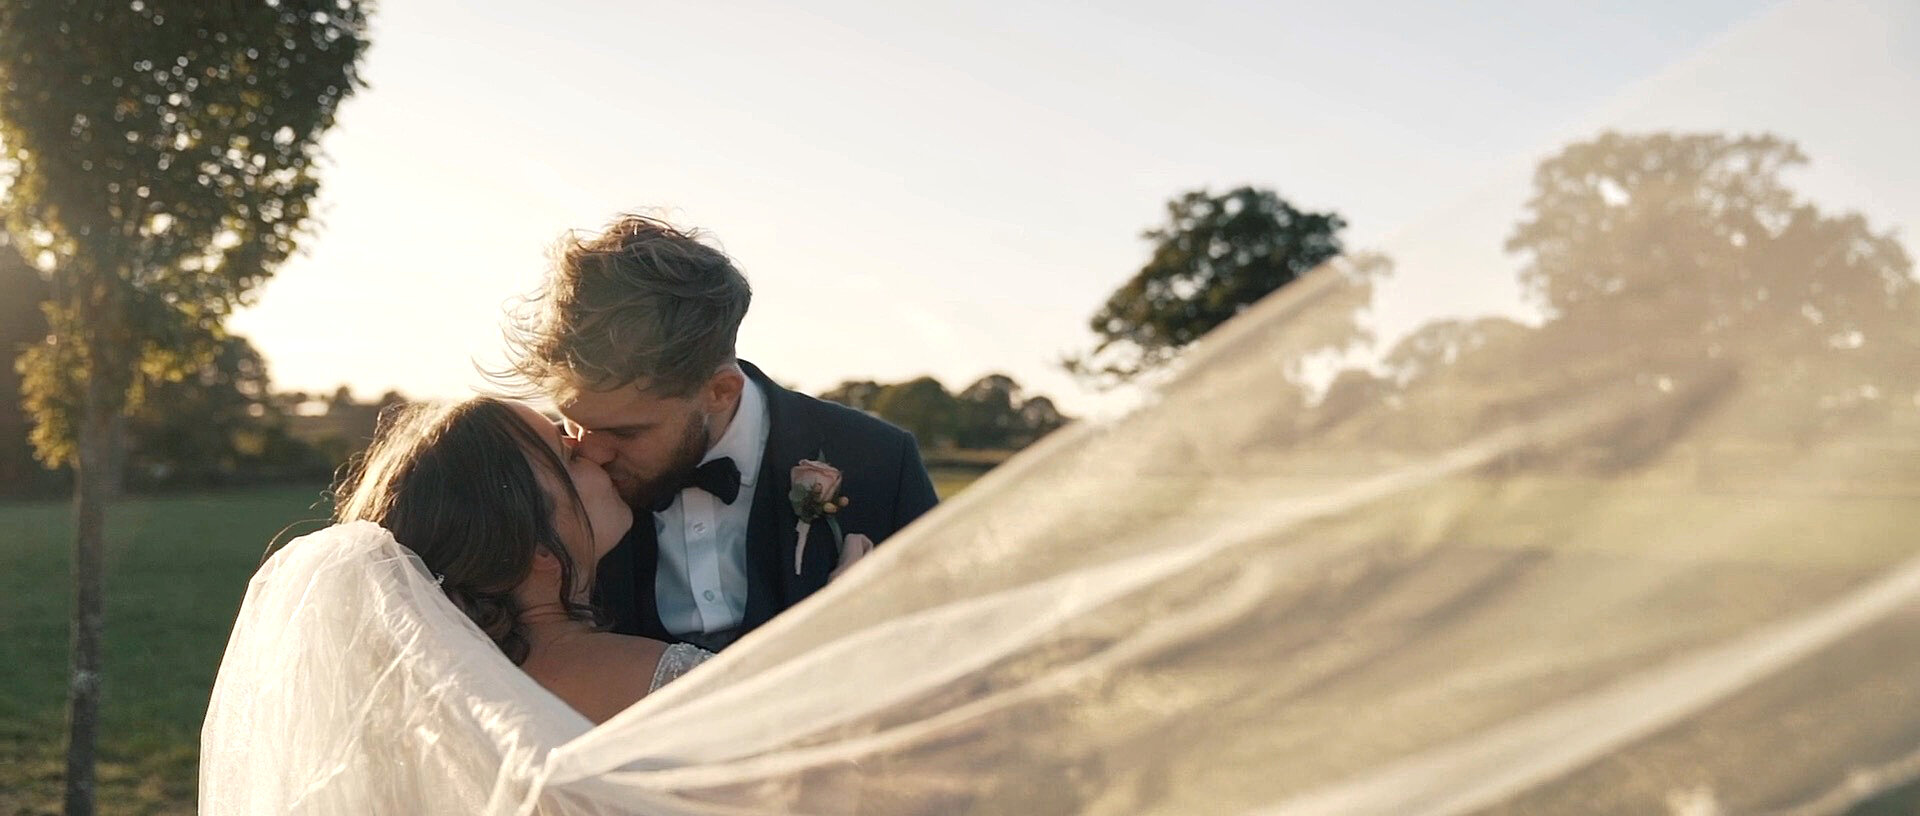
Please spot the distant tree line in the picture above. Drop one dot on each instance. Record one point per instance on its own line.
(994, 413)
(224, 425)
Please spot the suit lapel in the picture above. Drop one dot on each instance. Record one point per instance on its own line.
(791, 437)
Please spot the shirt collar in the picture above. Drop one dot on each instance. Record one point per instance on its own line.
(746, 436)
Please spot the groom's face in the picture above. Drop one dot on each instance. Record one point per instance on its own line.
(648, 444)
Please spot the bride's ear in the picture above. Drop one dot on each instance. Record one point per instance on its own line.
(545, 561)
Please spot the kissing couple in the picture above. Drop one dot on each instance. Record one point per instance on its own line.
(685, 499)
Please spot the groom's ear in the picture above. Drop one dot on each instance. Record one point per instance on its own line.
(722, 390)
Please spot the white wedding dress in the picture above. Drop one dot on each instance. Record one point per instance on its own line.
(1650, 552)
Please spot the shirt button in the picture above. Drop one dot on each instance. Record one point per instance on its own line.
(707, 594)
(699, 527)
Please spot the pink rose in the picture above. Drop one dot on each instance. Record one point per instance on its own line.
(815, 495)
(819, 478)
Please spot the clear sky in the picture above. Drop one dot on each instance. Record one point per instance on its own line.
(944, 188)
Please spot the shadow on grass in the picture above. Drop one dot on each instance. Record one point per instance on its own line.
(146, 775)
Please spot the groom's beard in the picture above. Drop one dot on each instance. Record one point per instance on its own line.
(685, 458)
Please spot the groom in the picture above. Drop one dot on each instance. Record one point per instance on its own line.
(633, 337)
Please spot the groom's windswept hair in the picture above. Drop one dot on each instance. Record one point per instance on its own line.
(643, 302)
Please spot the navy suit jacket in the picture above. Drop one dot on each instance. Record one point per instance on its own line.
(883, 478)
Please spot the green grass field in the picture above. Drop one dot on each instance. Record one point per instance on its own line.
(176, 569)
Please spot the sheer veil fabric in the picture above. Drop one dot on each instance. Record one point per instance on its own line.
(352, 685)
(1592, 494)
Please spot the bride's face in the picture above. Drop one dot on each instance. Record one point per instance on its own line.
(607, 515)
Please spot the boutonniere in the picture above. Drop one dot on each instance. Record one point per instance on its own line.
(815, 495)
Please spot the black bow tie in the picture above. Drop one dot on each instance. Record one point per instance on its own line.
(721, 477)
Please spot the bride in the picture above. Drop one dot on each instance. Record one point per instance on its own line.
(511, 522)
(368, 675)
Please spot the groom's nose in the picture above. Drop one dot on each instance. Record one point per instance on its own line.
(594, 449)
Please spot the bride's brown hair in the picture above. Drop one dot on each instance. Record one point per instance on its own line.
(456, 484)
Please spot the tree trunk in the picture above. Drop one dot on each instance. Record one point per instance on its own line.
(92, 490)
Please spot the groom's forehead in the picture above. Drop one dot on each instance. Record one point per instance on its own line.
(624, 405)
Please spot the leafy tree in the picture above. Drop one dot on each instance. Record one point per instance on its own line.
(923, 407)
(22, 326)
(1215, 256)
(162, 156)
(995, 414)
(989, 413)
(1677, 263)
(1038, 417)
(1686, 248)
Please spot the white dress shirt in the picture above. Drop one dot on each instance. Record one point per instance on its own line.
(701, 584)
